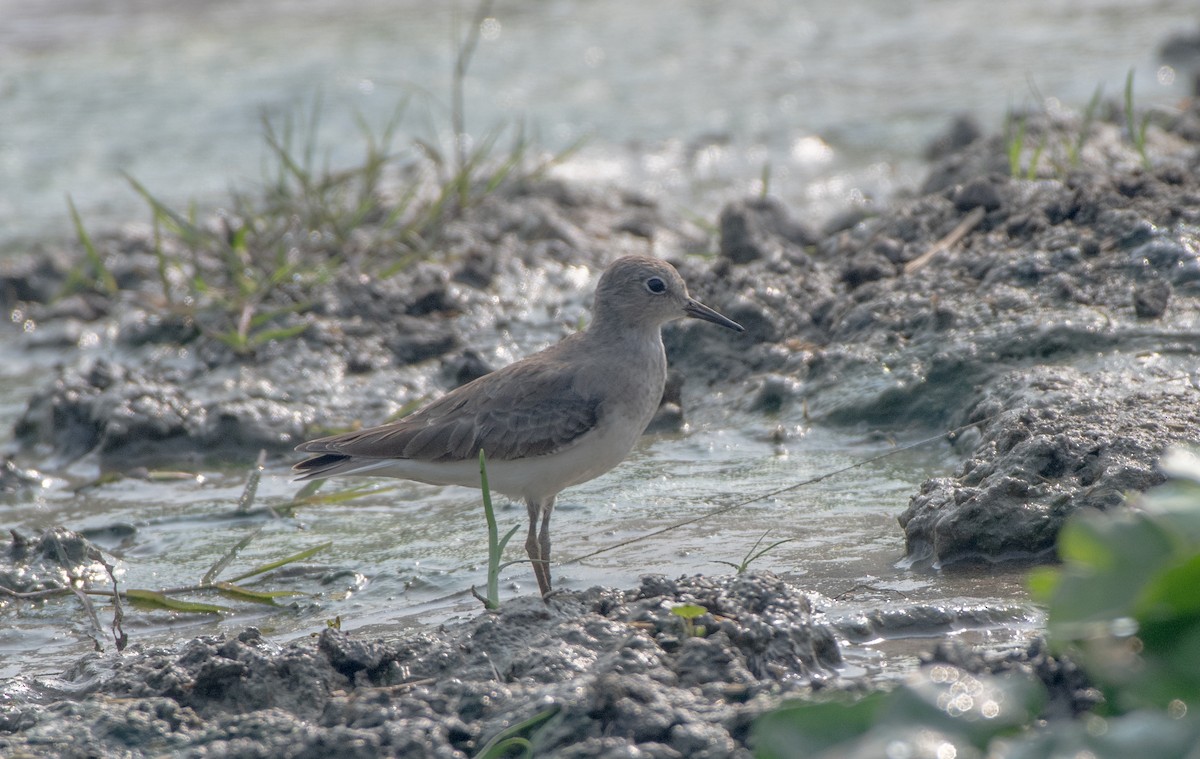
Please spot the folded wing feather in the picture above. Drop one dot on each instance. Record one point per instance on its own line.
(523, 410)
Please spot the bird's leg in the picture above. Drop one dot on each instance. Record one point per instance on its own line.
(539, 511)
(544, 540)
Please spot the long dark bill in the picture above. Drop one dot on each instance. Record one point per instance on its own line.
(698, 310)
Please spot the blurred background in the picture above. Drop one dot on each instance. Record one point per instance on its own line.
(686, 100)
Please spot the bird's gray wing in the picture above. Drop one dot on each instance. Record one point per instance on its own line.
(526, 409)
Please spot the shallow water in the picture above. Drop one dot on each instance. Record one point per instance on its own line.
(685, 100)
(405, 555)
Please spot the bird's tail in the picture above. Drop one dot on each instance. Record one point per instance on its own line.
(331, 464)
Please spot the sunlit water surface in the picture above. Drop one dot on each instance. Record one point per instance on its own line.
(686, 100)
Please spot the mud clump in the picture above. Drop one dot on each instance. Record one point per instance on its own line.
(1054, 318)
(610, 670)
(55, 559)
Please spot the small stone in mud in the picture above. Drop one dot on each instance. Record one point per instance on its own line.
(961, 132)
(980, 191)
(434, 300)
(467, 367)
(865, 268)
(478, 270)
(739, 243)
(890, 248)
(847, 218)
(14, 478)
(753, 229)
(639, 225)
(755, 318)
(1150, 299)
(363, 362)
(775, 392)
(668, 418)
(418, 340)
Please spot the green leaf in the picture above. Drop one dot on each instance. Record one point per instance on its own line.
(152, 599)
(688, 611)
(504, 540)
(1081, 543)
(1106, 560)
(502, 742)
(507, 748)
(229, 590)
(281, 334)
(1169, 666)
(238, 243)
(805, 728)
(1043, 582)
(301, 556)
(1172, 593)
(956, 702)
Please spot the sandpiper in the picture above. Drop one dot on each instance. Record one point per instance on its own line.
(549, 421)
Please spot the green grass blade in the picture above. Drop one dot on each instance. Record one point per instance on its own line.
(266, 317)
(235, 340)
(500, 745)
(152, 599)
(1016, 144)
(558, 158)
(301, 556)
(307, 491)
(251, 490)
(1129, 115)
(493, 576)
(186, 229)
(267, 597)
(342, 496)
(509, 748)
(1137, 135)
(101, 276)
(282, 334)
(1085, 128)
(219, 566)
(1031, 172)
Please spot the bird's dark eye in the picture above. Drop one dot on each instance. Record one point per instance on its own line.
(656, 285)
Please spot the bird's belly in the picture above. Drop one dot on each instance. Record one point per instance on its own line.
(533, 478)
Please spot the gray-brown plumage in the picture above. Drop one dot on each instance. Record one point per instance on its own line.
(526, 409)
(555, 419)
